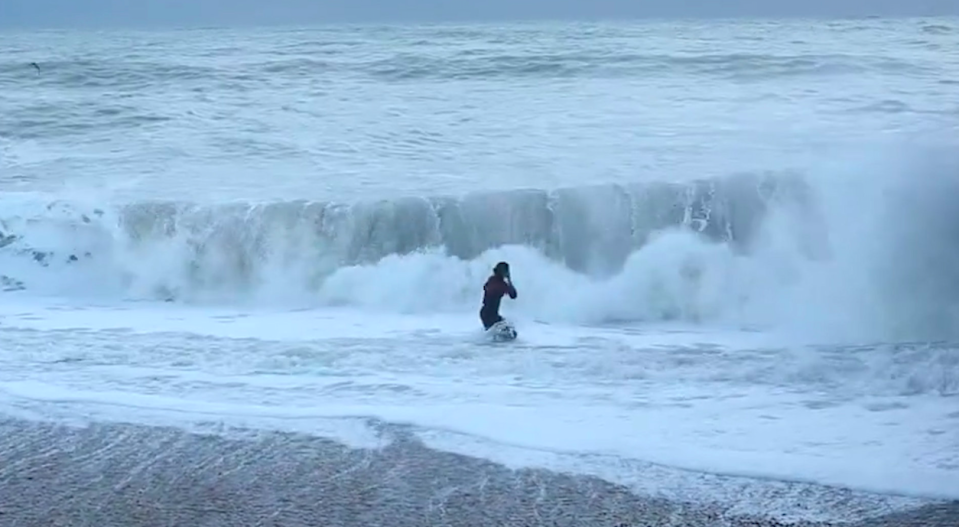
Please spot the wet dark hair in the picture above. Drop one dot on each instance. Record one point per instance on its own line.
(501, 269)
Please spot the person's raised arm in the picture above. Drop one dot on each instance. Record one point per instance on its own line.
(510, 290)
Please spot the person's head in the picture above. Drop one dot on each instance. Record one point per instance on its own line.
(501, 270)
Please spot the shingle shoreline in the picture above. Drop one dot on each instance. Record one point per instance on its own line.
(107, 475)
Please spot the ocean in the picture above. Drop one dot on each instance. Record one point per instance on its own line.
(735, 244)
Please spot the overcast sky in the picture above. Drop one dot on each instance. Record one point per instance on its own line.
(68, 13)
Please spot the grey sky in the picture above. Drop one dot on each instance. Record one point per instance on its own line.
(67, 13)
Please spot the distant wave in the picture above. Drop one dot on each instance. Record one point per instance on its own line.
(937, 29)
(464, 65)
(733, 65)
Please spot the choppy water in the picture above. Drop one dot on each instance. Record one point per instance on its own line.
(343, 113)
(293, 222)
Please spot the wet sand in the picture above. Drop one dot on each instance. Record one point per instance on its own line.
(108, 475)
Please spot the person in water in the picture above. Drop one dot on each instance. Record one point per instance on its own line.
(498, 285)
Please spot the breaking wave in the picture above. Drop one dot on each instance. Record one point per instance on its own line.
(869, 254)
(589, 230)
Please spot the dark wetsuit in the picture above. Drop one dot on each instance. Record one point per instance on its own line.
(493, 293)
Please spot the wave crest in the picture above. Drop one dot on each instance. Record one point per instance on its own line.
(181, 250)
